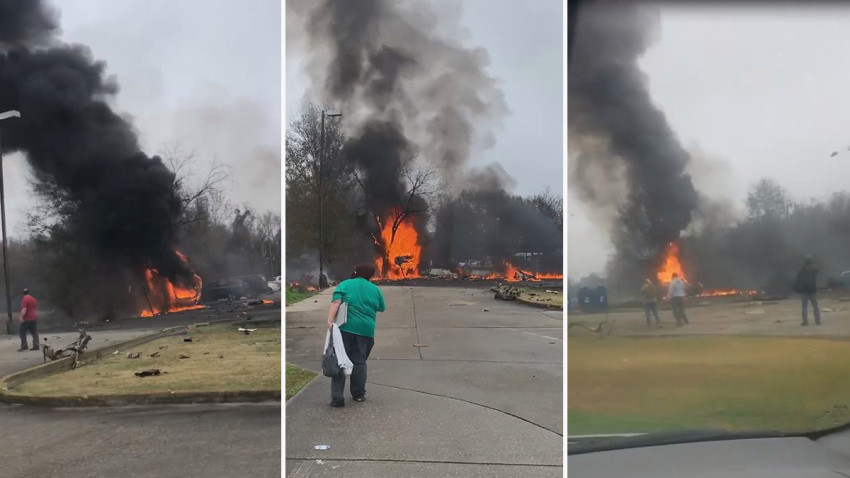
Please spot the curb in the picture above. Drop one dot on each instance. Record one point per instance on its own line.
(539, 305)
(160, 398)
(51, 368)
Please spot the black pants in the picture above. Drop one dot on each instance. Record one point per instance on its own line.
(28, 325)
(678, 304)
(651, 308)
(813, 298)
(358, 348)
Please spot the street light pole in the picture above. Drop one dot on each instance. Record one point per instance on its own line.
(3, 116)
(323, 281)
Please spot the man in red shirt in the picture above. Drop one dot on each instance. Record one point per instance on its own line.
(28, 321)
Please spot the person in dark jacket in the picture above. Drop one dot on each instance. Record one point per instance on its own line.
(806, 286)
(650, 302)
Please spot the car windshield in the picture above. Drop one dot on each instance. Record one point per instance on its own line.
(709, 221)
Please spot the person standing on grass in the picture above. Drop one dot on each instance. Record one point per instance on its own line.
(807, 286)
(364, 300)
(676, 295)
(28, 321)
(650, 302)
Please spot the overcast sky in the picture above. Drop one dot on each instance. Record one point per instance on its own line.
(205, 73)
(760, 91)
(525, 44)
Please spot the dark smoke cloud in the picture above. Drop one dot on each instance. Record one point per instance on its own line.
(123, 202)
(25, 23)
(619, 138)
(384, 64)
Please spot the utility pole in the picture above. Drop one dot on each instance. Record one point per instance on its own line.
(323, 280)
(3, 116)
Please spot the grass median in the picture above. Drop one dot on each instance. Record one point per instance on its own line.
(219, 358)
(296, 379)
(294, 295)
(628, 385)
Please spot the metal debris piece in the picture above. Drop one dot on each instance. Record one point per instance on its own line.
(115, 353)
(419, 345)
(246, 331)
(187, 339)
(506, 292)
(148, 373)
(154, 355)
(322, 447)
(485, 310)
(184, 356)
(134, 355)
(163, 347)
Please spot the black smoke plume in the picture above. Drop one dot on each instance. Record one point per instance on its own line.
(404, 89)
(624, 157)
(122, 202)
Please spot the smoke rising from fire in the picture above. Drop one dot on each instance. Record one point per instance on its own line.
(625, 160)
(122, 201)
(404, 89)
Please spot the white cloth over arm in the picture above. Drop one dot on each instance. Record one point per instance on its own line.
(339, 348)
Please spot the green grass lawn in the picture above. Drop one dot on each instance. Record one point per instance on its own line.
(296, 379)
(621, 385)
(219, 358)
(293, 296)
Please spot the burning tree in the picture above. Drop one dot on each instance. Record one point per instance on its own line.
(399, 237)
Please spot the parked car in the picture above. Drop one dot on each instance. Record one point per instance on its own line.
(257, 285)
(274, 286)
(230, 288)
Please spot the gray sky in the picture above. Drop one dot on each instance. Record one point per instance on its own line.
(759, 91)
(525, 44)
(204, 73)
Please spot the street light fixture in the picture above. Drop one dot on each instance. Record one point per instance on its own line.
(3, 116)
(323, 280)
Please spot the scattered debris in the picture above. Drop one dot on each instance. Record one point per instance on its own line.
(221, 356)
(322, 447)
(154, 355)
(754, 312)
(824, 309)
(246, 331)
(163, 347)
(115, 353)
(419, 345)
(148, 373)
(206, 353)
(187, 339)
(184, 356)
(134, 355)
(485, 310)
(506, 292)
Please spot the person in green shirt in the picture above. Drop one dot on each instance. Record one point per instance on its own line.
(364, 301)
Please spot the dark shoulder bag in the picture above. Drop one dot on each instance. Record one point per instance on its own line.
(330, 365)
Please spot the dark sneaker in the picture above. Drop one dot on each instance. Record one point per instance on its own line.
(23, 349)
(361, 398)
(35, 348)
(337, 403)
(804, 324)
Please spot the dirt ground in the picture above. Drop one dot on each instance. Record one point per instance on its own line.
(723, 316)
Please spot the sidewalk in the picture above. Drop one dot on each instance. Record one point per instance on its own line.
(482, 399)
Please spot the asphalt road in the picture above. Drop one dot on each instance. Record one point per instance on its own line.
(161, 441)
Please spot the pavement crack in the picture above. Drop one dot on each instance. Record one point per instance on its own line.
(447, 462)
(471, 403)
(415, 326)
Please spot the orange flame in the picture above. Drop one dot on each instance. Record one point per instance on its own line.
(671, 265)
(162, 296)
(402, 252)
